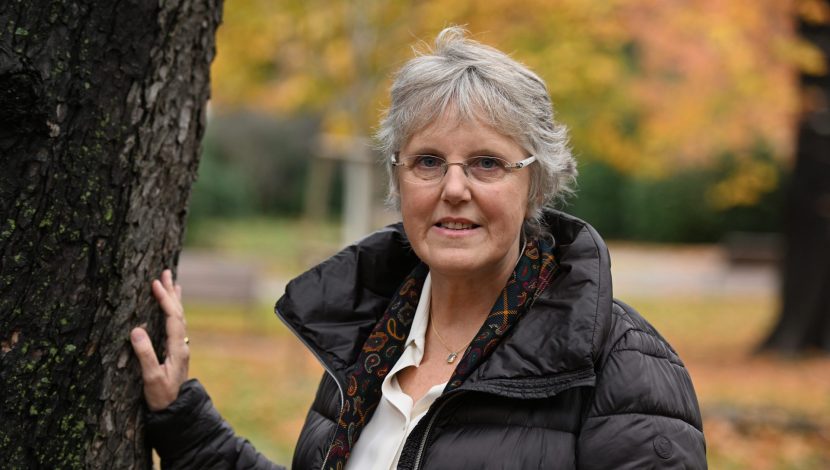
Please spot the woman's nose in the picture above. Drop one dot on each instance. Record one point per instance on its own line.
(456, 185)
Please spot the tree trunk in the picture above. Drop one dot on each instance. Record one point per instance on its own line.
(804, 322)
(102, 108)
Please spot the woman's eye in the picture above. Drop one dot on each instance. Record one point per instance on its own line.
(488, 163)
(427, 161)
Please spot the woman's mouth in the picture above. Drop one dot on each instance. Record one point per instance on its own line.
(456, 225)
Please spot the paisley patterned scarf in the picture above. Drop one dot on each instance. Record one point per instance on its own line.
(385, 344)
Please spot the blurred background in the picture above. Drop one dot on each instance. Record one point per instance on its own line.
(685, 117)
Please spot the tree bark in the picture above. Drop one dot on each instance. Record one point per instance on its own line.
(102, 108)
(804, 322)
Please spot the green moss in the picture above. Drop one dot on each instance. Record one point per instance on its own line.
(64, 426)
(11, 223)
(69, 348)
(21, 32)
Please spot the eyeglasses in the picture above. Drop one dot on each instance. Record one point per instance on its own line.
(431, 169)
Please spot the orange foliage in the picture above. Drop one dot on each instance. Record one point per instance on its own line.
(649, 86)
(715, 78)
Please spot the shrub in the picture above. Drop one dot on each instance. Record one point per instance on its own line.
(673, 209)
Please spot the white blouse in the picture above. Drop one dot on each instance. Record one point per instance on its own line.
(381, 442)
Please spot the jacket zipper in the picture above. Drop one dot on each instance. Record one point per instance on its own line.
(325, 367)
(425, 437)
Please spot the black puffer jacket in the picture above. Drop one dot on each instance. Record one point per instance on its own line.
(582, 381)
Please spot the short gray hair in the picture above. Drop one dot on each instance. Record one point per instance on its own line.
(480, 83)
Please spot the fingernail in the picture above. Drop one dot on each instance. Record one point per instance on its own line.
(137, 335)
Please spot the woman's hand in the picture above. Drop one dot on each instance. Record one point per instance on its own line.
(162, 381)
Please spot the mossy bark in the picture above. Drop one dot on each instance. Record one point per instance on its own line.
(102, 108)
(804, 323)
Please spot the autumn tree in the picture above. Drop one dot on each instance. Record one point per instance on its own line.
(649, 88)
(102, 107)
(804, 322)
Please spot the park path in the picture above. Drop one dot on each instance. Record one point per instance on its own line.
(686, 270)
(638, 270)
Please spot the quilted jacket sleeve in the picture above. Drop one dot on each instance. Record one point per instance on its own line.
(190, 434)
(644, 413)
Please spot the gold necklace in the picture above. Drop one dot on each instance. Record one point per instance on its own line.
(453, 354)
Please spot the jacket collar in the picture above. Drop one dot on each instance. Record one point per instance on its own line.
(334, 306)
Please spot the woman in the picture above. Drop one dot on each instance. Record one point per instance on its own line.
(479, 333)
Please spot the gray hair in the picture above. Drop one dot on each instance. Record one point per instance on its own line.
(480, 83)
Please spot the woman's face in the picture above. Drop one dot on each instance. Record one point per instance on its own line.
(459, 226)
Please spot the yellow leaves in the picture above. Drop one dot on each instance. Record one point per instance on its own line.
(750, 179)
(287, 95)
(649, 86)
(338, 122)
(338, 57)
(806, 56)
(814, 11)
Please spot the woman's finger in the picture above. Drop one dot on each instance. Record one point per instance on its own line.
(167, 281)
(177, 349)
(143, 347)
(168, 302)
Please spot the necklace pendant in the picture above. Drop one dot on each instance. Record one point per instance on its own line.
(451, 358)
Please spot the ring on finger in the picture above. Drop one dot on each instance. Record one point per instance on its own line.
(186, 340)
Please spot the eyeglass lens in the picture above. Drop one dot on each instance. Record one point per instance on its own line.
(430, 168)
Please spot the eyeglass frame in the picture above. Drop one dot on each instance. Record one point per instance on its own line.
(464, 165)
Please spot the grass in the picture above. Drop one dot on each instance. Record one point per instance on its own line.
(760, 412)
(259, 375)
